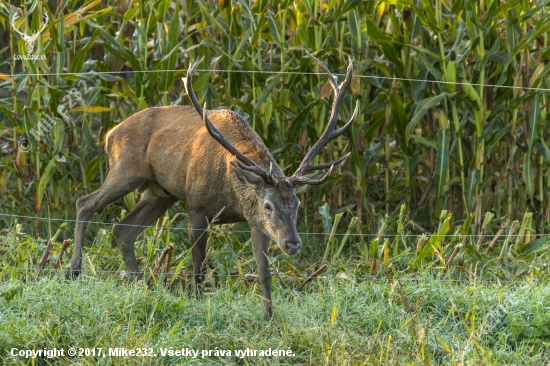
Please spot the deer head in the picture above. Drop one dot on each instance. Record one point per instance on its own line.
(29, 40)
(274, 198)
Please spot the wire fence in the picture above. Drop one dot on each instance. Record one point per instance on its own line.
(366, 235)
(354, 234)
(287, 276)
(294, 276)
(166, 274)
(93, 73)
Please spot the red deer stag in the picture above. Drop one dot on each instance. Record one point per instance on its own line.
(224, 169)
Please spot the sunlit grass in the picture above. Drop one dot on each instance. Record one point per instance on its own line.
(423, 321)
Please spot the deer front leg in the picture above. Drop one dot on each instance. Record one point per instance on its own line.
(198, 238)
(260, 247)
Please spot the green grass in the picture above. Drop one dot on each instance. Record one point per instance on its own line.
(405, 309)
(393, 251)
(335, 321)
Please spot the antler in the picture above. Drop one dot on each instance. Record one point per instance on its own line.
(35, 34)
(330, 132)
(13, 19)
(251, 166)
(29, 39)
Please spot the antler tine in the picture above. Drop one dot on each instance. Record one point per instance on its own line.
(13, 19)
(46, 19)
(339, 96)
(333, 79)
(36, 33)
(313, 182)
(330, 132)
(251, 166)
(327, 165)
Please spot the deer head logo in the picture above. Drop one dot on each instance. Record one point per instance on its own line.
(29, 40)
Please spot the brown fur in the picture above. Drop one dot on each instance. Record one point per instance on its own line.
(170, 154)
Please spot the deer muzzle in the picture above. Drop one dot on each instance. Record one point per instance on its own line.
(293, 247)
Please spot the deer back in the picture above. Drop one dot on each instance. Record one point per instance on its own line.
(170, 146)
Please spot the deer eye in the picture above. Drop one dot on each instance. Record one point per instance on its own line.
(267, 207)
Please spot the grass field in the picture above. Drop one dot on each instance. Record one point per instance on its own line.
(335, 321)
(476, 312)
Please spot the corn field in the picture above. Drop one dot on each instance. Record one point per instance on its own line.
(453, 98)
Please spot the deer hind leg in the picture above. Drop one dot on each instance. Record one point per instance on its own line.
(115, 186)
(197, 239)
(152, 204)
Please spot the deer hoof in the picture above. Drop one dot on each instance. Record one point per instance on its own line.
(71, 274)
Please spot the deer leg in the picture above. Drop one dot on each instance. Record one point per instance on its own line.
(111, 190)
(198, 238)
(260, 247)
(149, 208)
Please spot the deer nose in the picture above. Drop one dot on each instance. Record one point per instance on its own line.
(293, 246)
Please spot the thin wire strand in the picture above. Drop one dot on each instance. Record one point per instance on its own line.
(92, 73)
(287, 276)
(277, 275)
(428, 235)
(274, 72)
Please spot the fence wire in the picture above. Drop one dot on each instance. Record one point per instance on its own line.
(283, 276)
(367, 235)
(373, 235)
(277, 275)
(286, 276)
(94, 73)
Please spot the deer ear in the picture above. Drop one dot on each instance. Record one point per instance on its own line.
(302, 188)
(248, 178)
